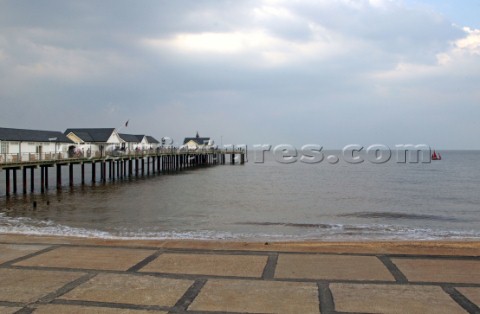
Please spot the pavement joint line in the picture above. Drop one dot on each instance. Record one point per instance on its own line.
(270, 266)
(145, 262)
(111, 305)
(463, 301)
(218, 252)
(186, 300)
(353, 313)
(66, 288)
(436, 257)
(12, 304)
(326, 302)
(195, 276)
(73, 270)
(33, 254)
(25, 310)
(393, 269)
(249, 252)
(218, 312)
(206, 277)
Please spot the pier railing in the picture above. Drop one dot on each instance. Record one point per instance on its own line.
(22, 158)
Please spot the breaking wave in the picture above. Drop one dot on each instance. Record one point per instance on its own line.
(319, 232)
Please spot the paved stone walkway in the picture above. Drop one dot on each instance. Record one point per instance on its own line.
(63, 277)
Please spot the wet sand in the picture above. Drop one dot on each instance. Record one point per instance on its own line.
(454, 247)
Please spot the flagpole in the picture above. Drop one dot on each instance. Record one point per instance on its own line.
(126, 125)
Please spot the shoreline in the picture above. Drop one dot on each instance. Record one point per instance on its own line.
(401, 247)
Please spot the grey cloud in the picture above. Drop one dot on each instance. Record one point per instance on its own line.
(331, 99)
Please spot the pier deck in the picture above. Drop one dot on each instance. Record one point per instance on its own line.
(119, 165)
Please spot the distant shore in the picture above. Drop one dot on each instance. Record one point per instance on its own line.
(444, 247)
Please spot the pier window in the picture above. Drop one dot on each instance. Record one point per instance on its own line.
(4, 148)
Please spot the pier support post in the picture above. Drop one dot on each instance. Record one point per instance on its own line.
(59, 176)
(24, 180)
(82, 166)
(46, 178)
(242, 159)
(14, 180)
(143, 166)
(104, 171)
(42, 179)
(7, 182)
(32, 179)
(70, 174)
(94, 168)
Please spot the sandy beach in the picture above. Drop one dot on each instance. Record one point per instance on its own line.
(453, 247)
(47, 274)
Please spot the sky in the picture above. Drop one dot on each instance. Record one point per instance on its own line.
(325, 72)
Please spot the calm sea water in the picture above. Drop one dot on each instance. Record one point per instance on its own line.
(269, 201)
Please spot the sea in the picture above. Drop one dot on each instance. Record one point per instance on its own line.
(263, 201)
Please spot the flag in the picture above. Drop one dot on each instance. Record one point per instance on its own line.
(126, 123)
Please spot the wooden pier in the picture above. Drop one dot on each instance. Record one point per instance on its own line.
(112, 167)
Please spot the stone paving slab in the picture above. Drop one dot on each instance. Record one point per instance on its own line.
(290, 290)
(88, 258)
(10, 252)
(438, 270)
(248, 296)
(76, 309)
(473, 294)
(393, 299)
(8, 310)
(209, 264)
(130, 289)
(23, 285)
(331, 267)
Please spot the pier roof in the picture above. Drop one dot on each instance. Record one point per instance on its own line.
(198, 140)
(131, 138)
(152, 140)
(23, 135)
(92, 134)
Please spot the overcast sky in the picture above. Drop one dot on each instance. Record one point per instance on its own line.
(300, 72)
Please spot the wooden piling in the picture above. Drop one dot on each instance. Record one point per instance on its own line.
(7, 182)
(42, 179)
(24, 180)
(82, 167)
(32, 179)
(70, 174)
(59, 176)
(94, 166)
(14, 170)
(46, 177)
